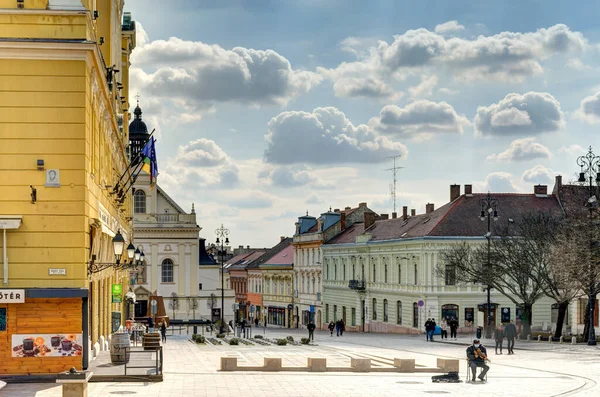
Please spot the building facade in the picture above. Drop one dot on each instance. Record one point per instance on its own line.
(380, 275)
(278, 273)
(63, 141)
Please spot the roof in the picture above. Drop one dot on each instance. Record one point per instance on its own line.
(170, 200)
(204, 259)
(283, 257)
(283, 244)
(459, 218)
(137, 126)
(247, 260)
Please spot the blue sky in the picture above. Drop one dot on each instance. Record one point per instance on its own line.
(265, 109)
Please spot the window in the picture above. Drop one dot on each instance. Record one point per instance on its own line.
(450, 274)
(335, 313)
(200, 286)
(399, 274)
(344, 274)
(353, 272)
(374, 273)
(385, 274)
(416, 315)
(139, 202)
(303, 283)
(385, 310)
(399, 313)
(327, 274)
(335, 271)
(416, 274)
(313, 257)
(167, 271)
(374, 309)
(353, 319)
(449, 311)
(469, 316)
(2, 319)
(327, 312)
(363, 272)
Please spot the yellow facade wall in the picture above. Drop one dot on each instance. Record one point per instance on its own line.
(38, 26)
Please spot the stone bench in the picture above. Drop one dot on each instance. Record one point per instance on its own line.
(360, 364)
(229, 363)
(272, 364)
(317, 364)
(405, 365)
(448, 364)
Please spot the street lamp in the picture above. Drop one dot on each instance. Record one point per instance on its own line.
(590, 165)
(118, 247)
(222, 239)
(489, 211)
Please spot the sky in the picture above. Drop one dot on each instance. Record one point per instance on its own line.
(267, 109)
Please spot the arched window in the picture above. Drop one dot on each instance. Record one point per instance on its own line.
(385, 310)
(399, 313)
(139, 202)
(416, 274)
(374, 309)
(167, 271)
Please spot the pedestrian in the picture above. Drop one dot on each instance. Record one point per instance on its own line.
(427, 326)
(256, 322)
(331, 327)
(510, 331)
(477, 356)
(342, 327)
(163, 331)
(453, 327)
(265, 321)
(150, 324)
(244, 327)
(430, 328)
(499, 336)
(444, 327)
(311, 331)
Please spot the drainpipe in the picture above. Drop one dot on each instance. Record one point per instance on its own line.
(5, 258)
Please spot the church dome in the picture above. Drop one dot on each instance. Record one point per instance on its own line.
(137, 126)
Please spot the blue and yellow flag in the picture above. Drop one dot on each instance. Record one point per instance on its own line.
(149, 162)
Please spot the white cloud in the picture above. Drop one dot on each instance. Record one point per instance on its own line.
(425, 88)
(577, 64)
(589, 109)
(369, 87)
(141, 36)
(419, 117)
(506, 56)
(497, 182)
(530, 113)
(539, 175)
(522, 150)
(324, 136)
(358, 46)
(448, 91)
(201, 75)
(449, 27)
(285, 176)
(201, 153)
(572, 150)
(312, 199)
(250, 200)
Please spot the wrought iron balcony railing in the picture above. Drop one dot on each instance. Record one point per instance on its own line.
(357, 285)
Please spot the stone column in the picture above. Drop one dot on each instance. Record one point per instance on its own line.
(153, 263)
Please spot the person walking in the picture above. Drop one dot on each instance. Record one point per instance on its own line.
(311, 331)
(337, 327)
(430, 329)
(331, 327)
(444, 327)
(342, 327)
(453, 327)
(427, 327)
(150, 324)
(499, 336)
(244, 327)
(510, 331)
(163, 331)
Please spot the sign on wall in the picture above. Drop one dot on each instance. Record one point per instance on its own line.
(12, 296)
(117, 293)
(52, 178)
(47, 345)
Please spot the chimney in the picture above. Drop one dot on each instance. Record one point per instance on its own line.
(241, 247)
(405, 213)
(384, 217)
(337, 210)
(413, 212)
(469, 190)
(540, 190)
(394, 215)
(347, 208)
(362, 204)
(247, 247)
(281, 238)
(557, 183)
(343, 221)
(429, 208)
(454, 192)
(369, 218)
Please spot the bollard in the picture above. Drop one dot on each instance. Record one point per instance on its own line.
(539, 338)
(550, 339)
(528, 336)
(574, 340)
(562, 339)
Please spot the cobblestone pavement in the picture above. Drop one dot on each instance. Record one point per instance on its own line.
(192, 370)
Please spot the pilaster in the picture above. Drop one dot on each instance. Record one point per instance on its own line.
(154, 266)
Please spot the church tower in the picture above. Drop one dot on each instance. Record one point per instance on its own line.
(138, 133)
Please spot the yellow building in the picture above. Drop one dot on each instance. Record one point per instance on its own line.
(63, 145)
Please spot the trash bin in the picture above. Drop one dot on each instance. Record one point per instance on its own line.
(195, 329)
(479, 332)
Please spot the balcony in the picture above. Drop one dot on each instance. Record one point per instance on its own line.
(357, 285)
(166, 218)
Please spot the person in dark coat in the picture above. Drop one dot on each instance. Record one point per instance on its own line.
(499, 336)
(163, 331)
(337, 327)
(453, 323)
(342, 327)
(510, 331)
(311, 331)
(475, 359)
(427, 327)
(150, 324)
(331, 327)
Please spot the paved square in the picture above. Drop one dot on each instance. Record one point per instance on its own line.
(537, 369)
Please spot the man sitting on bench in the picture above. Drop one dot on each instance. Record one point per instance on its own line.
(477, 356)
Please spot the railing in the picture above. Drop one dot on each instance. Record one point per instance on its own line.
(306, 237)
(175, 218)
(357, 285)
(158, 359)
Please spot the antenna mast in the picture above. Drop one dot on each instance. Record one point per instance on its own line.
(394, 170)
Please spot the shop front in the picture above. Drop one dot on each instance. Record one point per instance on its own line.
(43, 330)
(276, 316)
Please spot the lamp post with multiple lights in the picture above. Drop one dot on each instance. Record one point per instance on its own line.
(222, 238)
(489, 211)
(589, 168)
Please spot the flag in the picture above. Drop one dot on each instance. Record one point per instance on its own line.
(149, 161)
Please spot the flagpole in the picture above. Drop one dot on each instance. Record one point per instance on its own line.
(133, 164)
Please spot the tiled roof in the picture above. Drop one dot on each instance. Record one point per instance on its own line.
(283, 257)
(312, 229)
(237, 258)
(283, 244)
(458, 218)
(248, 260)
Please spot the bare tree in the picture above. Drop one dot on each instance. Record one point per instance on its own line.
(192, 304)
(174, 304)
(211, 303)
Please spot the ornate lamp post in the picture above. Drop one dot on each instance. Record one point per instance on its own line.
(222, 238)
(489, 211)
(132, 261)
(590, 168)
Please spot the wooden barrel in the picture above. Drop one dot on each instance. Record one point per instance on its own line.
(151, 341)
(119, 343)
